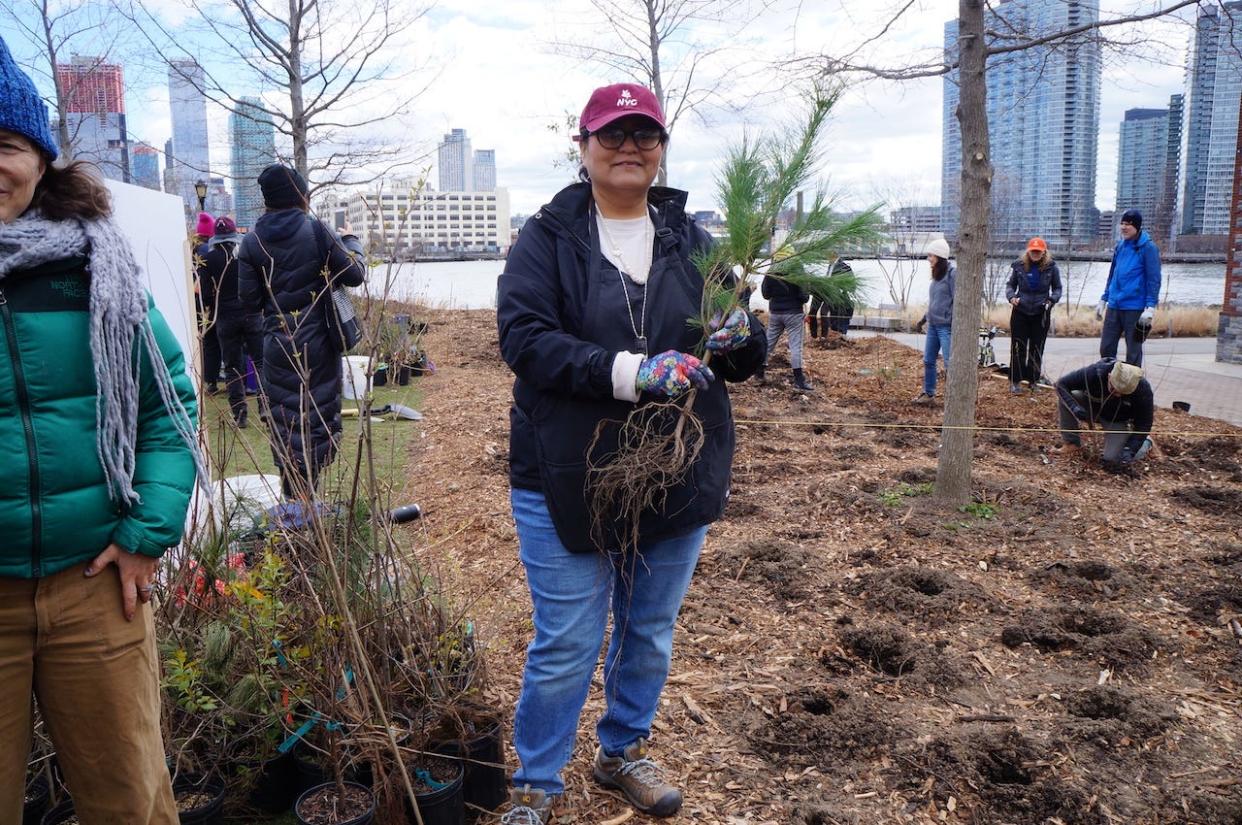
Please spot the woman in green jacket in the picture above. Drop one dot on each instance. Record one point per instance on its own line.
(97, 434)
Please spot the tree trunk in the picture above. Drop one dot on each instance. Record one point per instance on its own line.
(297, 104)
(657, 82)
(958, 437)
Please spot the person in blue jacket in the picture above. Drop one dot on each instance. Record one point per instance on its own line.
(1132, 291)
(593, 313)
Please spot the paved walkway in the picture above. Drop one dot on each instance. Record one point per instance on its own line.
(1179, 369)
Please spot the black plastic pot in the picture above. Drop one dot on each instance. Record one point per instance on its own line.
(483, 757)
(209, 813)
(403, 376)
(364, 819)
(275, 785)
(1181, 406)
(310, 774)
(380, 377)
(58, 814)
(37, 796)
(444, 806)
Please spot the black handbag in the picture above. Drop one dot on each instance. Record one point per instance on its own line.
(341, 315)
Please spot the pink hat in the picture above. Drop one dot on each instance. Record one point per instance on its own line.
(206, 225)
(619, 100)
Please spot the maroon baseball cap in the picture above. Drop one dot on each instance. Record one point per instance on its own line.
(608, 103)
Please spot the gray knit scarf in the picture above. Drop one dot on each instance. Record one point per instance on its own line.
(118, 319)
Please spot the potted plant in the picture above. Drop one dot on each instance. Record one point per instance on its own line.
(336, 803)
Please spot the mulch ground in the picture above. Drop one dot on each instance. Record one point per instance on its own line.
(853, 650)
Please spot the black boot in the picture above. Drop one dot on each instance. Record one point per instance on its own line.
(799, 381)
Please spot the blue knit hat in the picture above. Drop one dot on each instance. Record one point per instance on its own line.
(21, 109)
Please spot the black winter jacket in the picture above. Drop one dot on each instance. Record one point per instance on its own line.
(216, 266)
(782, 296)
(281, 273)
(1102, 404)
(563, 317)
(1032, 301)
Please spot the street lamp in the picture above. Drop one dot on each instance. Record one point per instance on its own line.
(200, 189)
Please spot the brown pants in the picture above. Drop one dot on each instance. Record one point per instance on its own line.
(64, 640)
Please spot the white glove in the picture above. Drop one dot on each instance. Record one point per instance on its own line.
(1148, 315)
(1099, 310)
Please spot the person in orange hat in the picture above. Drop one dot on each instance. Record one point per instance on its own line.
(1034, 287)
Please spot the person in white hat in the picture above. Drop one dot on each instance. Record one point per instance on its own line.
(939, 316)
(1117, 396)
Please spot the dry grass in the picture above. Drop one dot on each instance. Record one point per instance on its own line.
(1172, 320)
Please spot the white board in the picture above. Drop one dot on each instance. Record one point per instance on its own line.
(154, 223)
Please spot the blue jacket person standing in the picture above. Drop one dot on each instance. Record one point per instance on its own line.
(1132, 290)
(593, 310)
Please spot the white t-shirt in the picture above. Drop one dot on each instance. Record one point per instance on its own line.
(633, 238)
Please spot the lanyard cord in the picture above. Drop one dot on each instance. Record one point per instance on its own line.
(640, 327)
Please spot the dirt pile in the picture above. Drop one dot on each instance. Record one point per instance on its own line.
(853, 650)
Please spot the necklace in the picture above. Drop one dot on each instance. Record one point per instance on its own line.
(639, 327)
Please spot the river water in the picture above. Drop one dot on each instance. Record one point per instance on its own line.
(472, 284)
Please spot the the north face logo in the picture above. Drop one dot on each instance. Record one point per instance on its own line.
(626, 99)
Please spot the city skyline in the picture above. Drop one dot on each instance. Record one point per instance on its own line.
(896, 145)
(1043, 108)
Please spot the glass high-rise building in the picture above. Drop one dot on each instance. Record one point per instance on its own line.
(190, 159)
(484, 170)
(1043, 107)
(252, 147)
(1210, 120)
(456, 162)
(144, 165)
(1147, 166)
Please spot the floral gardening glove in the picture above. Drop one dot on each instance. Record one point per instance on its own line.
(672, 373)
(730, 334)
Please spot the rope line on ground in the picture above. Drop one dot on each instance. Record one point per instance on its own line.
(977, 427)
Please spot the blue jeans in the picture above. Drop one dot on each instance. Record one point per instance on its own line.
(937, 341)
(572, 593)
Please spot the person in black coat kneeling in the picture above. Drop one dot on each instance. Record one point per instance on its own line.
(287, 267)
(1115, 395)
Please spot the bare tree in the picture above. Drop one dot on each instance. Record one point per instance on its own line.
(57, 30)
(976, 43)
(328, 68)
(659, 43)
(900, 258)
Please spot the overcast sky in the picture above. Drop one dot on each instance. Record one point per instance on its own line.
(494, 73)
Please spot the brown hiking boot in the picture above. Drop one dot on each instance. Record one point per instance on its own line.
(527, 806)
(639, 779)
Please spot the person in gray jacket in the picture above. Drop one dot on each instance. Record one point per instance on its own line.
(939, 316)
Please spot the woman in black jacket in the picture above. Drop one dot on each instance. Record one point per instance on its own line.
(286, 268)
(1034, 287)
(593, 310)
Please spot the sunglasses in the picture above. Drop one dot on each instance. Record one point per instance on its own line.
(613, 137)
